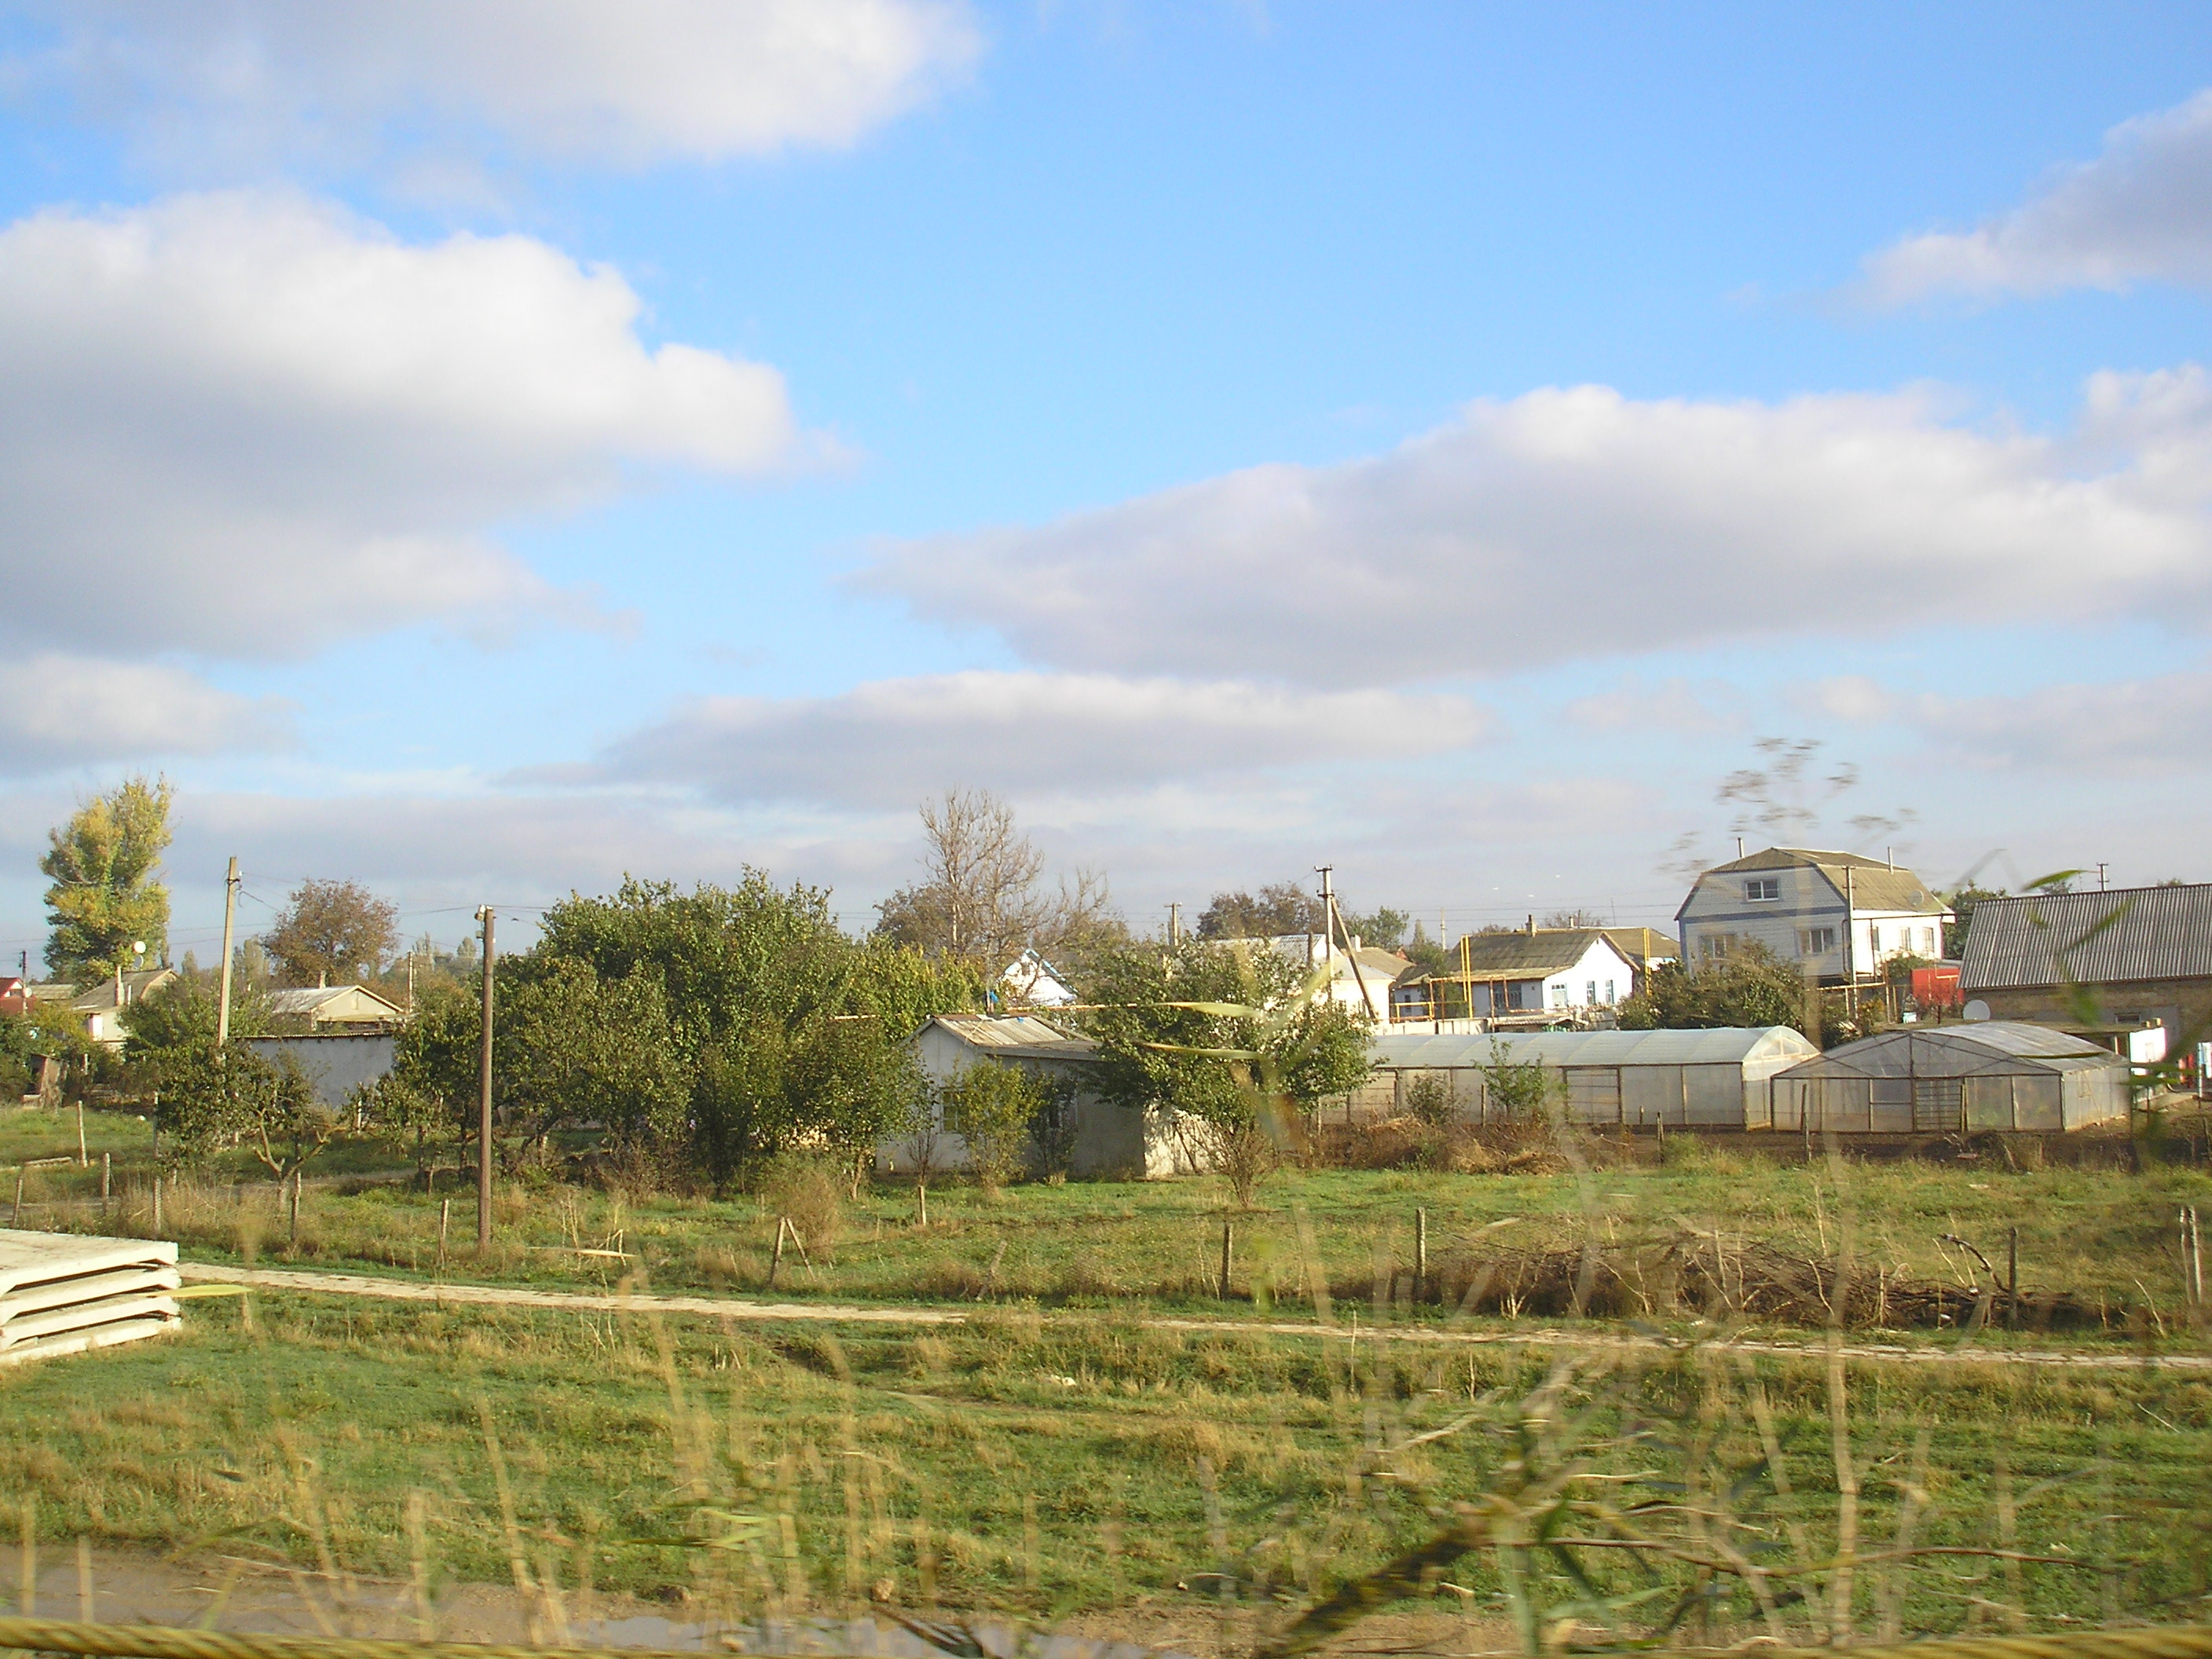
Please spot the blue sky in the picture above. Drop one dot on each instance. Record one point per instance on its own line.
(481, 450)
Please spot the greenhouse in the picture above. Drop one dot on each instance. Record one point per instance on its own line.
(1713, 1079)
(1953, 1079)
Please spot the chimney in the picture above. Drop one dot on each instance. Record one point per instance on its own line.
(1532, 924)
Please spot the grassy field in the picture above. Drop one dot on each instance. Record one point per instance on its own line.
(1041, 1469)
(2108, 1236)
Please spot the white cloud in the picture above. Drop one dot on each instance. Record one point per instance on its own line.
(1577, 524)
(893, 742)
(2146, 727)
(245, 424)
(60, 711)
(1670, 708)
(626, 85)
(1859, 699)
(2141, 211)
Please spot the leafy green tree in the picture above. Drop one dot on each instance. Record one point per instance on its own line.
(1282, 908)
(1518, 1088)
(331, 933)
(999, 1111)
(214, 1099)
(1751, 987)
(104, 898)
(1383, 928)
(426, 1104)
(1228, 1035)
(1962, 902)
(569, 1047)
(791, 1033)
(182, 1015)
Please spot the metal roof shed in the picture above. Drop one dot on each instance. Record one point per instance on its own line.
(1712, 1079)
(1953, 1079)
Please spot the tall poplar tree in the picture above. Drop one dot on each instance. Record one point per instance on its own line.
(104, 897)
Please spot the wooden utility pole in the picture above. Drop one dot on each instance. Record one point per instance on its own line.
(229, 921)
(483, 1097)
(1336, 919)
(1328, 909)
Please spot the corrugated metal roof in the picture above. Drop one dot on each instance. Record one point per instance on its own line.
(2155, 932)
(1020, 1035)
(1522, 955)
(1992, 1048)
(1722, 1046)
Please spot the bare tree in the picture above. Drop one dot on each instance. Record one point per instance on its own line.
(1576, 918)
(331, 930)
(981, 894)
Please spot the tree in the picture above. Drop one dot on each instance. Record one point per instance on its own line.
(571, 1048)
(1383, 928)
(214, 1099)
(980, 896)
(1962, 902)
(332, 931)
(104, 898)
(1574, 918)
(1751, 987)
(1228, 1036)
(181, 1015)
(997, 1109)
(1283, 907)
(791, 1034)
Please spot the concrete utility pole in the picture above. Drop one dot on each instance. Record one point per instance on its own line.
(1327, 910)
(1174, 925)
(2100, 878)
(483, 1097)
(229, 921)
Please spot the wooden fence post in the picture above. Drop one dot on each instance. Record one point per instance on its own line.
(1228, 1238)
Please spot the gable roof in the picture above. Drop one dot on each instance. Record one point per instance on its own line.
(2129, 933)
(1988, 1048)
(1524, 955)
(1643, 945)
(308, 999)
(1016, 1037)
(1875, 885)
(99, 995)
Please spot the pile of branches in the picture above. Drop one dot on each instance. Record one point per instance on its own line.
(1690, 1272)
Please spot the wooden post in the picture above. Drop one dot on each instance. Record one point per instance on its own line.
(445, 1221)
(106, 1180)
(484, 1096)
(921, 1197)
(775, 1263)
(2012, 1278)
(157, 1203)
(2192, 1267)
(296, 1209)
(16, 1215)
(1420, 1253)
(1228, 1242)
(82, 1160)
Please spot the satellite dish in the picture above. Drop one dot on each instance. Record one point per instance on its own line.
(1977, 1009)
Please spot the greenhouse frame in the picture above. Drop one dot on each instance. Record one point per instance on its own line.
(1953, 1079)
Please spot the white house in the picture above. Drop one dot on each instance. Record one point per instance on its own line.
(336, 1006)
(1031, 980)
(1811, 908)
(1363, 965)
(1532, 971)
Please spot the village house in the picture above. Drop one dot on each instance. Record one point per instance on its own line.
(1838, 916)
(97, 1010)
(336, 1007)
(2140, 956)
(1529, 976)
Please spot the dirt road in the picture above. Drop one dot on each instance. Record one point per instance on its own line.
(1962, 1351)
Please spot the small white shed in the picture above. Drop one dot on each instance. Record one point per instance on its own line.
(1112, 1143)
(1712, 1079)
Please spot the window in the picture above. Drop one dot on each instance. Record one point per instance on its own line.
(1874, 938)
(1590, 998)
(1764, 887)
(1609, 998)
(1559, 996)
(1816, 941)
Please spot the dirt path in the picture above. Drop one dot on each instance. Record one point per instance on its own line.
(504, 1296)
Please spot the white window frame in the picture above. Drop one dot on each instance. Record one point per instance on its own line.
(1763, 889)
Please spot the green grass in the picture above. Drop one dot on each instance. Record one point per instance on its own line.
(1050, 1468)
(2107, 1235)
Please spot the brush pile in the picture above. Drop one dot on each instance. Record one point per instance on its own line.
(1720, 1278)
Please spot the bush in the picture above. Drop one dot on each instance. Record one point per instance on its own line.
(810, 1191)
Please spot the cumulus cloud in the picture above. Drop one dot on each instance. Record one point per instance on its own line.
(244, 424)
(2144, 726)
(890, 743)
(1578, 523)
(2141, 212)
(628, 85)
(61, 711)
